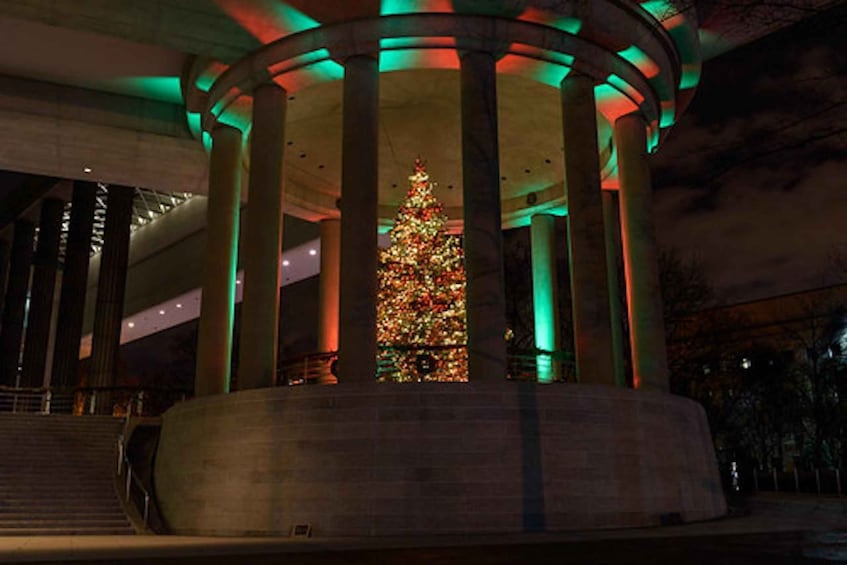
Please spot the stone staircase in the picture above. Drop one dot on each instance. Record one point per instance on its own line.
(57, 476)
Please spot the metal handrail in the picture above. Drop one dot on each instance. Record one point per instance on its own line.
(79, 400)
(308, 369)
(131, 478)
(522, 364)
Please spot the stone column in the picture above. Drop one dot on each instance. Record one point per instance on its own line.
(589, 285)
(44, 263)
(257, 359)
(109, 305)
(217, 307)
(483, 238)
(611, 220)
(545, 294)
(5, 251)
(329, 283)
(359, 178)
(65, 372)
(14, 311)
(641, 265)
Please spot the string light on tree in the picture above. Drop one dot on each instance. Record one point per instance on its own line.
(421, 302)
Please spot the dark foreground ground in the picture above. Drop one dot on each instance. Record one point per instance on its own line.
(771, 529)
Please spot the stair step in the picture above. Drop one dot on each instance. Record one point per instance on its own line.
(68, 531)
(57, 476)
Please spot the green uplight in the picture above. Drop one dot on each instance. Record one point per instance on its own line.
(570, 25)
(551, 75)
(660, 9)
(690, 77)
(207, 141)
(236, 120)
(295, 20)
(166, 89)
(327, 69)
(640, 60)
(205, 81)
(393, 7)
(397, 59)
(194, 122)
(653, 141)
(544, 294)
(668, 115)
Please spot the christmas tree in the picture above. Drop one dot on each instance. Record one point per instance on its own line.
(421, 303)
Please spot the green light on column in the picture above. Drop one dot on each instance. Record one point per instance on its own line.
(570, 25)
(166, 89)
(293, 20)
(544, 299)
(690, 76)
(660, 9)
(668, 114)
(194, 123)
(640, 60)
(328, 70)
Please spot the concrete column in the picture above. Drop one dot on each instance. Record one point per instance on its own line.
(641, 265)
(257, 357)
(111, 285)
(14, 311)
(359, 178)
(65, 372)
(44, 263)
(545, 294)
(611, 220)
(483, 238)
(217, 307)
(589, 285)
(5, 252)
(329, 283)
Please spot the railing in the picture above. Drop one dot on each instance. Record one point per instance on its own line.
(540, 365)
(421, 363)
(816, 481)
(425, 363)
(90, 400)
(125, 470)
(308, 369)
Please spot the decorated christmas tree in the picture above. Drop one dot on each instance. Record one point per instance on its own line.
(421, 306)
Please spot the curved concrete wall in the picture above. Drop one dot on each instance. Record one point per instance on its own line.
(434, 458)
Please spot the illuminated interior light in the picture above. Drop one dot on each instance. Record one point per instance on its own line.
(286, 262)
(161, 312)
(237, 281)
(179, 305)
(86, 170)
(312, 252)
(131, 324)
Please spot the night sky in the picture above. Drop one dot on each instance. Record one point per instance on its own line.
(752, 182)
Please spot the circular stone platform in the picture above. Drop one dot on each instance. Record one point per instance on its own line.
(385, 459)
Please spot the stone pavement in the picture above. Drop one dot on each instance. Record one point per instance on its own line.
(786, 519)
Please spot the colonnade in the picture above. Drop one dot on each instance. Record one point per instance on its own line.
(348, 284)
(26, 329)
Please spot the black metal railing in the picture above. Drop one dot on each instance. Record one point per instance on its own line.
(317, 368)
(429, 363)
(117, 400)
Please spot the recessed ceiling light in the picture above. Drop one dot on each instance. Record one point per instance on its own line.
(131, 324)
(161, 312)
(312, 252)
(86, 170)
(237, 281)
(179, 305)
(285, 262)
